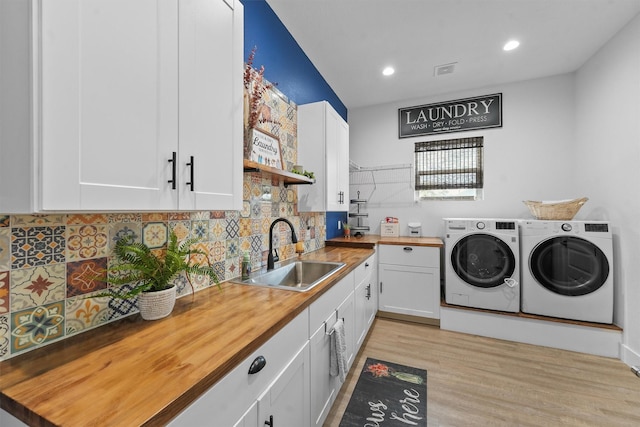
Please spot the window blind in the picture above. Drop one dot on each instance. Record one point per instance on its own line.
(449, 164)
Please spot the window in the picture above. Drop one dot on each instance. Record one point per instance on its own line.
(449, 169)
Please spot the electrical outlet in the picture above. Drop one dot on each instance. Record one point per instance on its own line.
(339, 225)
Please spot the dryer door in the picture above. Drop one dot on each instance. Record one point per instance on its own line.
(569, 265)
(483, 260)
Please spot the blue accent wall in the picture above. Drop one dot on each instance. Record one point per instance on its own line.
(284, 61)
(332, 224)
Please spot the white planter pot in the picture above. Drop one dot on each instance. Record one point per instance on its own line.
(156, 305)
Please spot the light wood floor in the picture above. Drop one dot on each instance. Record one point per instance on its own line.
(477, 381)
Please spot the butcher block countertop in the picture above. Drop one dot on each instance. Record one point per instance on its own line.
(370, 240)
(135, 372)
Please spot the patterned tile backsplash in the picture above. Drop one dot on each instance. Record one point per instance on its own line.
(48, 263)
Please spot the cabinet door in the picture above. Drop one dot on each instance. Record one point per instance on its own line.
(286, 401)
(409, 290)
(323, 147)
(337, 140)
(346, 312)
(364, 299)
(250, 418)
(365, 309)
(323, 385)
(371, 306)
(210, 134)
(108, 96)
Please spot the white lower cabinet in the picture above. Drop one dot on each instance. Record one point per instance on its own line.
(8, 420)
(346, 312)
(365, 298)
(286, 401)
(410, 280)
(324, 385)
(229, 401)
(250, 418)
(295, 387)
(336, 303)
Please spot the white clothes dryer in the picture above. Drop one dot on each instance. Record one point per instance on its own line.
(567, 269)
(482, 263)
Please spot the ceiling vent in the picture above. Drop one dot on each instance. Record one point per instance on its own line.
(440, 70)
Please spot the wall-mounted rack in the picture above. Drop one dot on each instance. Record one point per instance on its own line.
(359, 215)
(387, 184)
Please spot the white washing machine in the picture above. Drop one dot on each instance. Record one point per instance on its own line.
(567, 269)
(482, 263)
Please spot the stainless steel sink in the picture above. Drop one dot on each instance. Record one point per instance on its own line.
(297, 276)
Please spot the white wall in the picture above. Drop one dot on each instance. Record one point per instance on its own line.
(607, 153)
(528, 158)
(565, 136)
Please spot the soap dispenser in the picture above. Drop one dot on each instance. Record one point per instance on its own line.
(246, 266)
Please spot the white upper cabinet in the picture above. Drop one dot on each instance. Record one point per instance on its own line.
(323, 148)
(211, 104)
(117, 87)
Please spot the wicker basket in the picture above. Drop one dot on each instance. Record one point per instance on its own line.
(564, 210)
(156, 305)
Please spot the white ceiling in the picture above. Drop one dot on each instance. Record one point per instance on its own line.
(351, 41)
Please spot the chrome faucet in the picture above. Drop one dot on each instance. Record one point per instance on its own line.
(271, 259)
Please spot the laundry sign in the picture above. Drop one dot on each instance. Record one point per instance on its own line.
(480, 112)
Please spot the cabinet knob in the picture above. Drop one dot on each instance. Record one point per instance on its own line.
(366, 264)
(270, 422)
(257, 365)
(407, 249)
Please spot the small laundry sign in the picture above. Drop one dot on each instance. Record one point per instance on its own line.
(480, 112)
(265, 149)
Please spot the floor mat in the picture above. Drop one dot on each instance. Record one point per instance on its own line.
(388, 394)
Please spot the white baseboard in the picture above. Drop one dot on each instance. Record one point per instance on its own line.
(565, 336)
(629, 356)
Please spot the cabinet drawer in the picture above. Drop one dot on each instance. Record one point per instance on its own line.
(230, 397)
(363, 270)
(329, 302)
(418, 256)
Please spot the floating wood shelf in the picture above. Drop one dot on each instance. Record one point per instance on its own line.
(289, 178)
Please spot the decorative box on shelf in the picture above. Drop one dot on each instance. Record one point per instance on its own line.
(389, 229)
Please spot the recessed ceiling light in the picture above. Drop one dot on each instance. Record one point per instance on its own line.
(388, 71)
(511, 44)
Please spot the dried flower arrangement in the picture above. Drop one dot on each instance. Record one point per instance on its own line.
(256, 87)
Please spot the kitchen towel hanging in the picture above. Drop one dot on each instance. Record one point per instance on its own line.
(338, 359)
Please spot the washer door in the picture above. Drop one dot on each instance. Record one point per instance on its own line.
(483, 260)
(569, 266)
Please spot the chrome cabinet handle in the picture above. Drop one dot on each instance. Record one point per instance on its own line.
(368, 295)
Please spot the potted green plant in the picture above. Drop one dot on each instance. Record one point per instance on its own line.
(150, 275)
(346, 228)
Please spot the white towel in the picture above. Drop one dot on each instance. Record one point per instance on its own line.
(338, 360)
